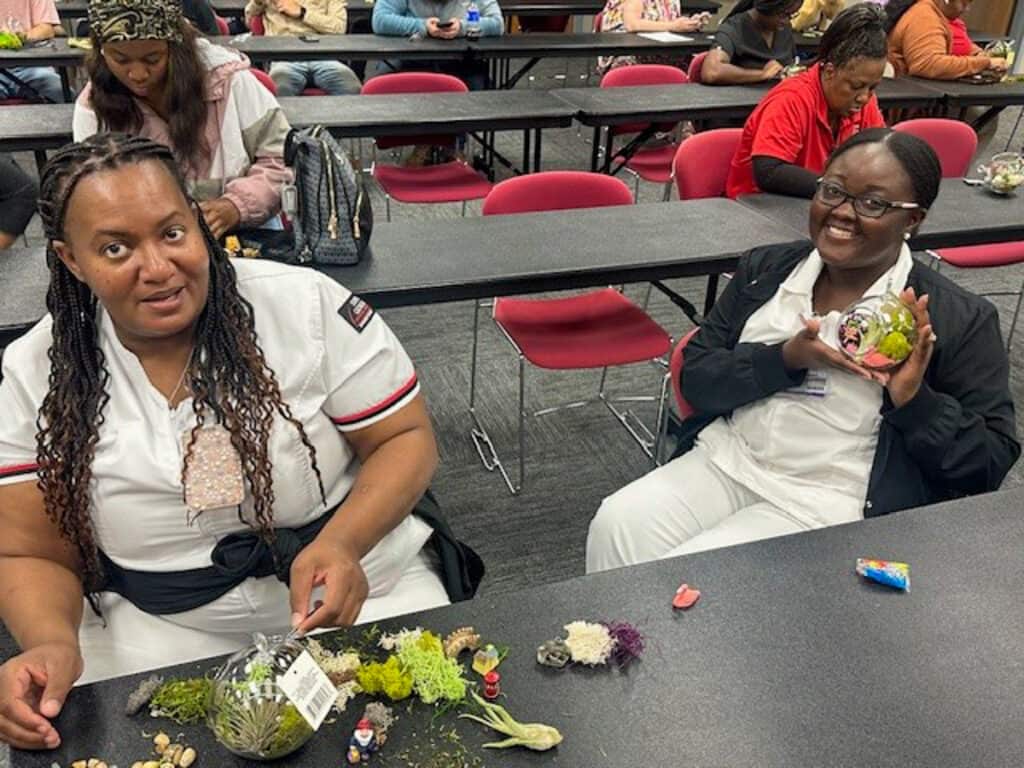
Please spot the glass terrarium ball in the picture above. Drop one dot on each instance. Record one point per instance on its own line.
(249, 713)
(878, 336)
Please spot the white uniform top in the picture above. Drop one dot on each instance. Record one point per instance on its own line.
(339, 367)
(809, 455)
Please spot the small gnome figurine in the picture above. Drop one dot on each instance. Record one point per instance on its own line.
(362, 744)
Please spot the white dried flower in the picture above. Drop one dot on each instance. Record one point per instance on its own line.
(589, 643)
(398, 639)
(346, 692)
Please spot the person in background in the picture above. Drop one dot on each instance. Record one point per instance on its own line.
(960, 43)
(647, 16)
(17, 200)
(789, 434)
(753, 43)
(816, 15)
(178, 409)
(150, 75)
(202, 16)
(33, 21)
(310, 17)
(789, 136)
(441, 19)
(920, 41)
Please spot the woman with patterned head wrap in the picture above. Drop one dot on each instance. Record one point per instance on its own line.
(152, 76)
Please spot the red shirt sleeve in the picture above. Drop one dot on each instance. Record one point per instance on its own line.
(872, 115)
(782, 131)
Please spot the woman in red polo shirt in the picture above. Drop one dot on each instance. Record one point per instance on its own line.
(794, 129)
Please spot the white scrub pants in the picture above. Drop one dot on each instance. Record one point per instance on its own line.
(687, 505)
(134, 641)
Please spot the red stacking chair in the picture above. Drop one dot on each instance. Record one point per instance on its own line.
(222, 26)
(265, 80)
(701, 165)
(650, 164)
(696, 65)
(591, 330)
(454, 181)
(675, 382)
(257, 28)
(955, 143)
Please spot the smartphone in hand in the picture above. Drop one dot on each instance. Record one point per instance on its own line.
(446, 24)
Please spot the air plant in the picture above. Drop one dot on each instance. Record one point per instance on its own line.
(536, 736)
(256, 721)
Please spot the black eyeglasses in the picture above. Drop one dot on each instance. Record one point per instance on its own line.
(833, 195)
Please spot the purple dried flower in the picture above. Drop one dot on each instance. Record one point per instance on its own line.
(629, 643)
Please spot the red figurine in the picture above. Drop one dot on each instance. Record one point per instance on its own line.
(492, 685)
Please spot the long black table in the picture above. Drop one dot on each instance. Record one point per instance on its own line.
(426, 262)
(603, 107)
(961, 215)
(40, 127)
(789, 659)
(959, 95)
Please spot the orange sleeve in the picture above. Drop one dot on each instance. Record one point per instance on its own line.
(782, 131)
(926, 50)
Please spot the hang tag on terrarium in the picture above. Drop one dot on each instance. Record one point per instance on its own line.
(213, 477)
(309, 689)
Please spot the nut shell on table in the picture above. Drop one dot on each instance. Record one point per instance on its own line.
(462, 639)
(553, 653)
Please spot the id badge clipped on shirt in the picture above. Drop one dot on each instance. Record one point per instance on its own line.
(815, 384)
(213, 477)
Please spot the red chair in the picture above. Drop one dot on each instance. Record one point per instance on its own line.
(265, 80)
(222, 26)
(591, 330)
(675, 379)
(955, 143)
(696, 65)
(701, 165)
(257, 28)
(650, 164)
(454, 181)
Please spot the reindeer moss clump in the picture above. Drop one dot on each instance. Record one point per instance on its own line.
(389, 678)
(183, 701)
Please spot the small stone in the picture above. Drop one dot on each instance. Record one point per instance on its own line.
(92, 763)
(79, 764)
(137, 764)
(151, 764)
(554, 653)
(160, 742)
(187, 758)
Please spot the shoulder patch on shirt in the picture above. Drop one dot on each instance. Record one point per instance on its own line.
(356, 312)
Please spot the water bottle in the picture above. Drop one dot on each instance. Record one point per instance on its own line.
(472, 20)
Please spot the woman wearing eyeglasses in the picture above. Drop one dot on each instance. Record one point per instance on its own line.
(788, 435)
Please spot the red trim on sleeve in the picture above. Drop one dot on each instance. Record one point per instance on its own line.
(12, 470)
(383, 405)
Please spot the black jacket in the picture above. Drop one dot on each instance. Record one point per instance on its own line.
(955, 438)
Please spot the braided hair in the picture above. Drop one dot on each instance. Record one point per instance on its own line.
(764, 7)
(858, 32)
(230, 380)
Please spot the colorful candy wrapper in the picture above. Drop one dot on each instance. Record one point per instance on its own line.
(896, 575)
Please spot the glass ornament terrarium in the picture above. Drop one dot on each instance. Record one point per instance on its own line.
(877, 335)
(249, 713)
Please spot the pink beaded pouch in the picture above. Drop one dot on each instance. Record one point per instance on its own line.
(213, 477)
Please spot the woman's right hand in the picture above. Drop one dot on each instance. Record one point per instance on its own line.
(686, 24)
(33, 686)
(771, 69)
(806, 350)
(996, 64)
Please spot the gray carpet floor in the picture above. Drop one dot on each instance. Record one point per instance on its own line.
(574, 457)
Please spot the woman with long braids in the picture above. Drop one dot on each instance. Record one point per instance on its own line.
(753, 43)
(184, 435)
(151, 75)
(789, 136)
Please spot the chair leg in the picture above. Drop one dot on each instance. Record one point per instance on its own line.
(662, 420)
(463, 209)
(472, 364)
(387, 207)
(1013, 323)
(636, 189)
(667, 194)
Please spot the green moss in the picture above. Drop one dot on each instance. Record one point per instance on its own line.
(389, 678)
(895, 346)
(183, 701)
(434, 675)
(10, 41)
(291, 731)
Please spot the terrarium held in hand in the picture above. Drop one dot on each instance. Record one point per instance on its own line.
(250, 713)
(878, 336)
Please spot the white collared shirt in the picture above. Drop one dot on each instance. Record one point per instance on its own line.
(339, 368)
(809, 455)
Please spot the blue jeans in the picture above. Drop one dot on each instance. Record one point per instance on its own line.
(44, 80)
(291, 77)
